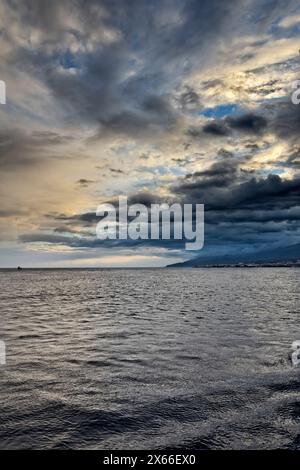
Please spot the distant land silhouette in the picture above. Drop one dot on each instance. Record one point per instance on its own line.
(281, 256)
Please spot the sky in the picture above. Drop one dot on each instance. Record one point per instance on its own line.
(173, 100)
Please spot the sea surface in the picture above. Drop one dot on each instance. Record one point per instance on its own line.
(150, 359)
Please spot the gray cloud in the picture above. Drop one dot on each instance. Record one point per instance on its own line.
(227, 191)
(84, 182)
(214, 128)
(20, 149)
(247, 123)
(91, 76)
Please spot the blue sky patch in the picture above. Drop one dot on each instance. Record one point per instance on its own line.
(221, 111)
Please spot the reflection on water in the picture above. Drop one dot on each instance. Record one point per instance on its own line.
(137, 359)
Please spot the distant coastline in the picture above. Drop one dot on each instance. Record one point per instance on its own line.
(280, 257)
(251, 265)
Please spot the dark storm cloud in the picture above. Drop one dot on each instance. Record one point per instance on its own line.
(244, 210)
(86, 218)
(220, 174)
(227, 193)
(145, 197)
(90, 219)
(231, 196)
(215, 128)
(20, 149)
(281, 118)
(262, 216)
(102, 88)
(82, 242)
(117, 171)
(96, 83)
(249, 123)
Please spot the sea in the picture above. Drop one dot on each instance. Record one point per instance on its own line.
(149, 359)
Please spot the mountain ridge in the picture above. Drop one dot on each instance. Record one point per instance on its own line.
(282, 255)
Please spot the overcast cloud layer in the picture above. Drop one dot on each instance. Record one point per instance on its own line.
(170, 100)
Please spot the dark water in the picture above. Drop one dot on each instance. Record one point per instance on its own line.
(142, 359)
